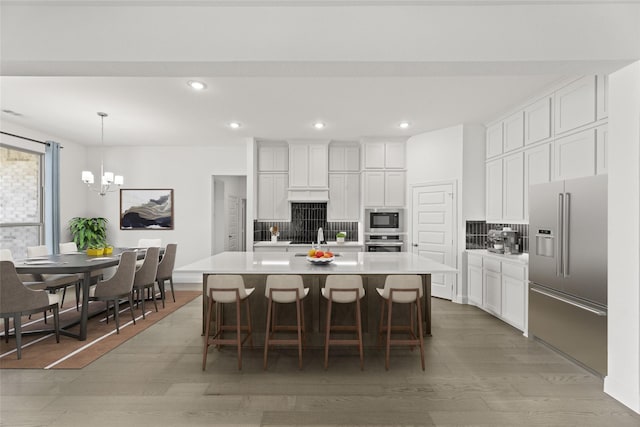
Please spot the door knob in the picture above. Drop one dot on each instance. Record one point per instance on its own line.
(415, 245)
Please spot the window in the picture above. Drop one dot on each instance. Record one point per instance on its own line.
(21, 216)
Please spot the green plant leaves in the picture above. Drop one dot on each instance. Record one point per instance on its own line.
(89, 232)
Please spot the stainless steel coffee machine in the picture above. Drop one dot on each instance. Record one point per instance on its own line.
(503, 241)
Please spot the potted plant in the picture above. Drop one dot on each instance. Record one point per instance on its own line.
(89, 233)
(340, 236)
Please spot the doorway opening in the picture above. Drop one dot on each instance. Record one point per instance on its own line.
(229, 218)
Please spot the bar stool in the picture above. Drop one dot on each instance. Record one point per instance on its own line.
(284, 289)
(402, 289)
(343, 289)
(227, 289)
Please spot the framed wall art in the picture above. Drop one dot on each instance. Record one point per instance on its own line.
(146, 209)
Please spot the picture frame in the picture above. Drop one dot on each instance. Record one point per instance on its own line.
(146, 209)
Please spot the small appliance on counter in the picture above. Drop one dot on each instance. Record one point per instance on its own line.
(503, 241)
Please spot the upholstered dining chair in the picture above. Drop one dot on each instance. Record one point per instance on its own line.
(402, 289)
(72, 248)
(145, 277)
(227, 289)
(165, 270)
(117, 287)
(55, 282)
(284, 289)
(17, 300)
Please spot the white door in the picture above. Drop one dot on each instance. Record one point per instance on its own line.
(433, 231)
(233, 215)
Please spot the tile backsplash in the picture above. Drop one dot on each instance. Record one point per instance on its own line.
(476, 233)
(306, 218)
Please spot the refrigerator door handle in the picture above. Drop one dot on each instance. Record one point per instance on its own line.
(565, 235)
(559, 243)
(570, 302)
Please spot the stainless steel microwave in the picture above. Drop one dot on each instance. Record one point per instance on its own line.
(383, 220)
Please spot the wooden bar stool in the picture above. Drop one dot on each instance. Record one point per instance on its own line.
(227, 289)
(402, 289)
(284, 289)
(343, 289)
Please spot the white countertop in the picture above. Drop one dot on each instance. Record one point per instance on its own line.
(519, 258)
(288, 243)
(288, 263)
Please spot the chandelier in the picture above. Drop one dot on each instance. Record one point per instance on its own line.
(107, 178)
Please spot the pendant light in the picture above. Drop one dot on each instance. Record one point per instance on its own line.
(107, 179)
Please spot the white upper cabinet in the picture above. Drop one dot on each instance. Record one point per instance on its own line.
(513, 187)
(344, 157)
(384, 155)
(394, 188)
(494, 140)
(273, 157)
(575, 104)
(513, 128)
(575, 155)
(537, 121)
(308, 165)
(272, 197)
(537, 170)
(344, 197)
(494, 190)
(602, 96)
(374, 188)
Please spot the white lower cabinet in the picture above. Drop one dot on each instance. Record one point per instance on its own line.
(499, 287)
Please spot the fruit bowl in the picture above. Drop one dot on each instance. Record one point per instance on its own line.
(320, 261)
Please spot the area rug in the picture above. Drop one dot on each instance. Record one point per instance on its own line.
(40, 351)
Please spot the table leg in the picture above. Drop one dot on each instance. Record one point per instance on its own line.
(426, 283)
(84, 310)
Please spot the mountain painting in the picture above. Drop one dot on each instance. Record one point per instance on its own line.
(146, 209)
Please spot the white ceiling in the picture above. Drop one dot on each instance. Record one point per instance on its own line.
(361, 67)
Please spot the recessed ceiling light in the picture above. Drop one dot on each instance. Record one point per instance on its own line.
(234, 125)
(196, 85)
(318, 125)
(404, 125)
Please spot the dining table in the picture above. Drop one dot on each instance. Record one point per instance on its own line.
(74, 263)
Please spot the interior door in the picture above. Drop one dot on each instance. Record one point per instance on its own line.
(233, 215)
(433, 231)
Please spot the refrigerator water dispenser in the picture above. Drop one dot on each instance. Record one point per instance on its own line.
(545, 243)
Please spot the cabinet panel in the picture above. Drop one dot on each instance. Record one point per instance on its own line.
(352, 194)
(273, 158)
(537, 121)
(492, 291)
(344, 197)
(318, 166)
(374, 153)
(602, 96)
(575, 155)
(344, 158)
(494, 140)
(575, 104)
(272, 197)
(537, 170)
(374, 189)
(281, 205)
(394, 189)
(394, 155)
(298, 165)
(513, 129)
(494, 190)
(474, 283)
(602, 147)
(513, 301)
(513, 187)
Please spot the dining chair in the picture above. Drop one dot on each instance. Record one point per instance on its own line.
(343, 289)
(17, 300)
(402, 289)
(165, 270)
(55, 282)
(227, 289)
(117, 287)
(284, 289)
(145, 278)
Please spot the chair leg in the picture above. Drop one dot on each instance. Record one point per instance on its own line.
(6, 329)
(359, 326)
(141, 295)
(389, 305)
(116, 313)
(268, 333)
(153, 295)
(173, 294)
(327, 335)
(299, 320)
(207, 331)
(238, 334)
(64, 292)
(219, 320)
(107, 316)
(17, 325)
(249, 328)
(381, 323)
(421, 338)
(133, 317)
(162, 290)
(77, 296)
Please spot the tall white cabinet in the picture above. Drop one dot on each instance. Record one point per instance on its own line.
(272, 181)
(384, 176)
(344, 181)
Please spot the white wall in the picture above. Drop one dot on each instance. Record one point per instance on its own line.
(186, 170)
(623, 379)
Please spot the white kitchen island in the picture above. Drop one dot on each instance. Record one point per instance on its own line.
(372, 266)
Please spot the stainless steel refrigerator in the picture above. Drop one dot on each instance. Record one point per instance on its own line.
(568, 268)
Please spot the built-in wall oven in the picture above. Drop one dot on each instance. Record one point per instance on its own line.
(383, 221)
(384, 243)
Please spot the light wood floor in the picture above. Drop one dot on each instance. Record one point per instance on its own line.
(480, 371)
